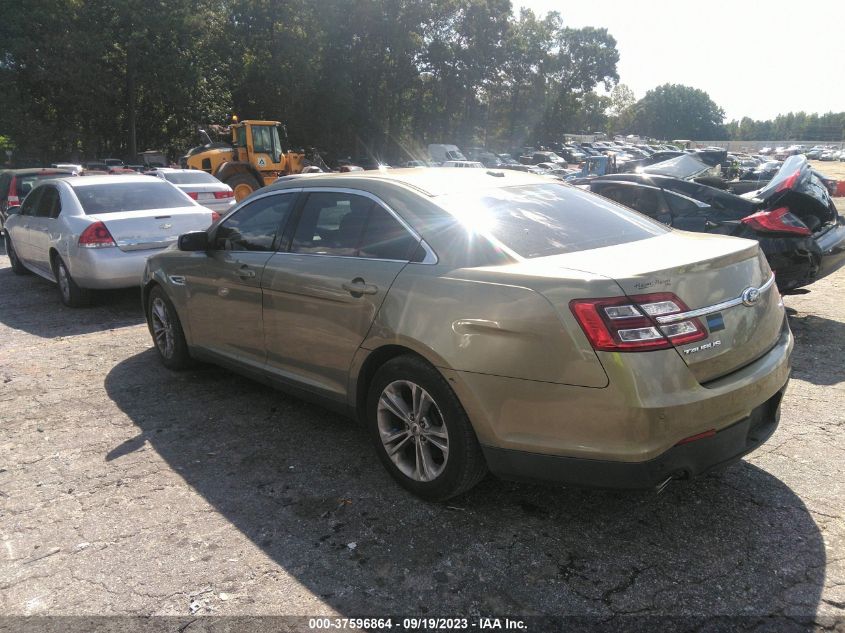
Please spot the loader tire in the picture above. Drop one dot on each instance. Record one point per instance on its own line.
(243, 185)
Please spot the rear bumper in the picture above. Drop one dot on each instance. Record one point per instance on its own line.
(798, 262)
(832, 245)
(108, 268)
(682, 461)
(219, 206)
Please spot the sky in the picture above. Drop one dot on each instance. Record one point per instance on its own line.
(754, 58)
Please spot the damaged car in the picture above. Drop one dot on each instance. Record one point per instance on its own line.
(792, 217)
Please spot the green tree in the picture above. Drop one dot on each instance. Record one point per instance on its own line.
(677, 111)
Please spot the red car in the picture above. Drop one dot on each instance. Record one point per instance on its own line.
(15, 184)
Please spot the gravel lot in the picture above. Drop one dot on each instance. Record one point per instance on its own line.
(129, 489)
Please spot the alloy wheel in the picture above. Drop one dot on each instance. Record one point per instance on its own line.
(64, 280)
(162, 327)
(413, 430)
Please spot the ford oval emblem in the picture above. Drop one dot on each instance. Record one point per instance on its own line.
(750, 296)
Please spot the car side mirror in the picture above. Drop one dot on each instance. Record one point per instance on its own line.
(13, 209)
(194, 241)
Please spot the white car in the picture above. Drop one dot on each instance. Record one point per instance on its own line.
(71, 167)
(97, 232)
(202, 187)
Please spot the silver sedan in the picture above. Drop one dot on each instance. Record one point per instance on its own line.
(97, 232)
(200, 186)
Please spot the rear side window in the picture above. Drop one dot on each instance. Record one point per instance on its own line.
(681, 205)
(548, 219)
(129, 196)
(190, 178)
(385, 238)
(255, 226)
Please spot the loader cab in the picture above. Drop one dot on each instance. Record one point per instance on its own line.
(260, 142)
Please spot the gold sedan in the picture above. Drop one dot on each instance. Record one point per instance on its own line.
(481, 320)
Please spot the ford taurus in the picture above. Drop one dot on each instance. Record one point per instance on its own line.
(481, 320)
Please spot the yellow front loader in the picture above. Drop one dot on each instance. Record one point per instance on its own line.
(254, 159)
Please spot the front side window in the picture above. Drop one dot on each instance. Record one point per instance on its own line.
(548, 219)
(30, 205)
(255, 226)
(262, 139)
(623, 194)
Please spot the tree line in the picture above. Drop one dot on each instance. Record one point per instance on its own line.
(113, 77)
(351, 77)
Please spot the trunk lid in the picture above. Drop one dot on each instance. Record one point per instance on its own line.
(155, 228)
(706, 273)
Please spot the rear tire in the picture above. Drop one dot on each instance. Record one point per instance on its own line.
(71, 294)
(166, 330)
(243, 185)
(421, 432)
(17, 267)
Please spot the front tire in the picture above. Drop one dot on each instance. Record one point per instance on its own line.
(242, 185)
(421, 432)
(17, 266)
(166, 330)
(71, 294)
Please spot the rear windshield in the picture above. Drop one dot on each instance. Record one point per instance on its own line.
(540, 220)
(129, 196)
(190, 178)
(27, 182)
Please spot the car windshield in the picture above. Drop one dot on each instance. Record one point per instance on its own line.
(129, 196)
(548, 219)
(190, 178)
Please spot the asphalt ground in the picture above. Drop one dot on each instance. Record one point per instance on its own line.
(130, 490)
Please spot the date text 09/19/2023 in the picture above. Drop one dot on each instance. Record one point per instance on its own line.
(417, 624)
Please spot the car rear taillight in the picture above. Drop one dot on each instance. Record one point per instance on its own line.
(778, 220)
(221, 195)
(192, 194)
(13, 192)
(789, 183)
(627, 324)
(96, 236)
(214, 216)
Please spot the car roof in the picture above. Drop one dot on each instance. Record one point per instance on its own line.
(84, 181)
(432, 182)
(37, 170)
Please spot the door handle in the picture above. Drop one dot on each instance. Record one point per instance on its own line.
(244, 272)
(357, 288)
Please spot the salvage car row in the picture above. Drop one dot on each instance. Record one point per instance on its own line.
(473, 320)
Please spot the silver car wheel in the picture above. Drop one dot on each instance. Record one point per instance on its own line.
(162, 327)
(64, 280)
(413, 430)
